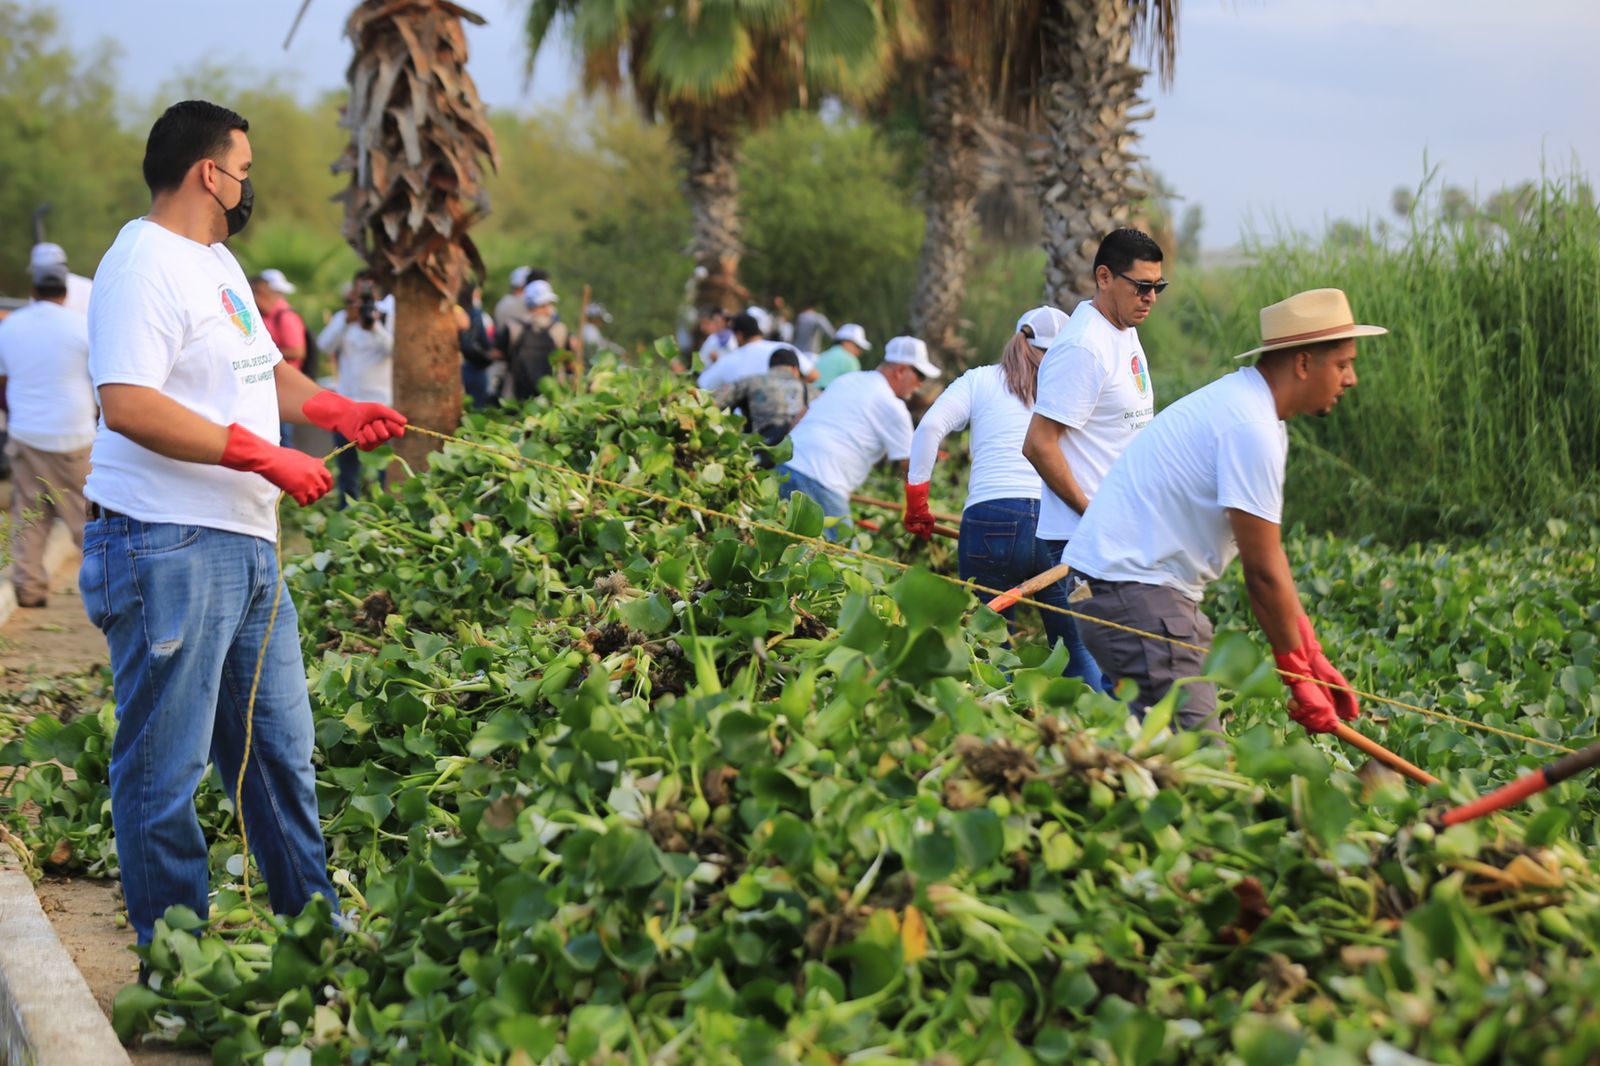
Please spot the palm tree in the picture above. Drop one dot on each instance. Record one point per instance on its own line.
(1088, 90)
(714, 69)
(955, 76)
(418, 136)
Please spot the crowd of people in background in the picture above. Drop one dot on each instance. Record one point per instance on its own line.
(1050, 422)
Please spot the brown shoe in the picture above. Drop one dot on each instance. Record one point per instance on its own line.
(38, 601)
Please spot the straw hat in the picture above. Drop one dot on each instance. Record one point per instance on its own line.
(1309, 317)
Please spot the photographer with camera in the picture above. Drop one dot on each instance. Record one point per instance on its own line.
(362, 348)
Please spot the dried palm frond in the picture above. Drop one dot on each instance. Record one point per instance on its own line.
(418, 137)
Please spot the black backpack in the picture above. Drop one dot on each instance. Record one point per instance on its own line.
(311, 364)
(529, 359)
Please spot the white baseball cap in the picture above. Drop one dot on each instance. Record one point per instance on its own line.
(47, 255)
(1042, 324)
(276, 281)
(538, 294)
(913, 353)
(519, 277)
(855, 335)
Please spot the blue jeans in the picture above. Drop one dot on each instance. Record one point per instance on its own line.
(184, 610)
(999, 550)
(833, 503)
(475, 380)
(349, 466)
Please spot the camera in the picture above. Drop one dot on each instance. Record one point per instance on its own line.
(367, 307)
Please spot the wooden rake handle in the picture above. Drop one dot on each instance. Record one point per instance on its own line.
(1009, 597)
(890, 505)
(873, 527)
(1383, 755)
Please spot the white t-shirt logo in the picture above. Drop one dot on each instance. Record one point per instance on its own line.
(239, 313)
(1141, 374)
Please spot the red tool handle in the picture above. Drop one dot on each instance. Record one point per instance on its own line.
(1526, 785)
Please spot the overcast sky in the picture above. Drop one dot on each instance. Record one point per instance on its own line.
(1296, 111)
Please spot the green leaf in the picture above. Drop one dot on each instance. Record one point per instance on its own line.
(979, 837)
(592, 1029)
(933, 856)
(425, 978)
(928, 601)
(625, 858)
(650, 614)
(525, 1032)
(859, 625)
(1545, 827)
(504, 729)
(1136, 1038)
(743, 737)
(1262, 1041)
(805, 516)
(1233, 659)
(712, 990)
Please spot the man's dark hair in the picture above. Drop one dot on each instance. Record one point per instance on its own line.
(186, 133)
(1121, 248)
(50, 289)
(744, 325)
(535, 274)
(784, 357)
(713, 312)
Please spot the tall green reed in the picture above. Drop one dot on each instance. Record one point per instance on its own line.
(1481, 408)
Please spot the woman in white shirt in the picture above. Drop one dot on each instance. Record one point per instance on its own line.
(998, 547)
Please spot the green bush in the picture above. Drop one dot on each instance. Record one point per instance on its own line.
(827, 218)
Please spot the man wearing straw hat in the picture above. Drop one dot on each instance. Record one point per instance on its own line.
(1201, 484)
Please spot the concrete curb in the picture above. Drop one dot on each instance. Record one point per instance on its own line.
(48, 1017)
(58, 548)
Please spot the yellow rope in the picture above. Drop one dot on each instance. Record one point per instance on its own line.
(255, 684)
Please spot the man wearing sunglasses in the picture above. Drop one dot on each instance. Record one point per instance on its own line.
(1094, 394)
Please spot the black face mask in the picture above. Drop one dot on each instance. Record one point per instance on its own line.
(239, 214)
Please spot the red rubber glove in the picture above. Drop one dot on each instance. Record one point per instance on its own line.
(368, 424)
(1315, 706)
(300, 475)
(917, 519)
(1344, 701)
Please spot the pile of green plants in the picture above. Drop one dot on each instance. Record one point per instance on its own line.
(608, 780)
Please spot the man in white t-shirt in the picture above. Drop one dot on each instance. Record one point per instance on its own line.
(79, 288)
(750, 357)
(1203, 483)
(861, 419)
(179, 569)
(44, 374)
(1094, 391)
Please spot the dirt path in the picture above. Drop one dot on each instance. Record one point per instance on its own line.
(44, 642)
(36, 646)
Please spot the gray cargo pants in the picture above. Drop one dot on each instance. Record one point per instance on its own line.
(1153, 665)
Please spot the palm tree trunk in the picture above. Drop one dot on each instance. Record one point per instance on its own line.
(950, 184)
(711, 183)
(427, 364)
(1088, 179)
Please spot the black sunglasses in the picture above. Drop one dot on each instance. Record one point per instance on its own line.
(1145, 288)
